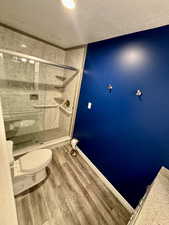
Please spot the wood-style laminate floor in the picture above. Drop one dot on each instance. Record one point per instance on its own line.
(71, 195)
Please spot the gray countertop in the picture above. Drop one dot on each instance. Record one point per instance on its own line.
(154, 208)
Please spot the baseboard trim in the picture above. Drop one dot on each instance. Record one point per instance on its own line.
(107, 183)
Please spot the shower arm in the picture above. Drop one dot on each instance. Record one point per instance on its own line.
(36, 59)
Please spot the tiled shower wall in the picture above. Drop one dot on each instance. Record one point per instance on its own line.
(74, 57)
(18, 82)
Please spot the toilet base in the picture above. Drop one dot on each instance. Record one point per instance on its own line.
(23, 182)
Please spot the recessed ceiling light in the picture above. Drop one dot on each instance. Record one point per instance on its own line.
(70, 4)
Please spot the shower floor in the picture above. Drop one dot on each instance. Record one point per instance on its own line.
(72, 194)
(24, 141)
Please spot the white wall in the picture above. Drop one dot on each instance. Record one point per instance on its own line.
(7, 204)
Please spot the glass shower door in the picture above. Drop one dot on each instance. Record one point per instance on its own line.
(51, 82)
(36, 104)
(19, 94)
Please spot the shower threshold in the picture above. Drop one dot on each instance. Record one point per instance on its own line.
(46, 144)
(29, 139)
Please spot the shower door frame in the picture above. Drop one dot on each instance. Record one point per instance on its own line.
(79, 73)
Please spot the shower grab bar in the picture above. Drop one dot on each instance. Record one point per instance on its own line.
(36, 59)
(53, 106)
(45, 106)
(66, 110)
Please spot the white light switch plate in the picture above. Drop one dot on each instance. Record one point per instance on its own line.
(89, 106)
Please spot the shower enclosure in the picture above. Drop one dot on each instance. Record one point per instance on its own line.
(32, 92)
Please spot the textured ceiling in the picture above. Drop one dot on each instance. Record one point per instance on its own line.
(90, 21)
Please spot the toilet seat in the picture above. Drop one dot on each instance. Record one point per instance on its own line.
(34, 161)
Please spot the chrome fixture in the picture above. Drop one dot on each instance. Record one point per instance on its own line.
(109, 87)
(67, 103)
(139, 93)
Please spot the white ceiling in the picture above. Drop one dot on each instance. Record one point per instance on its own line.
(90, 21)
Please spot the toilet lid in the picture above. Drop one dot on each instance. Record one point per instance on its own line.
(36, 160)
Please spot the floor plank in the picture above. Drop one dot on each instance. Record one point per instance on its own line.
(72, 194)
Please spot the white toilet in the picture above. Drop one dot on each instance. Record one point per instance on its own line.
(29, 169)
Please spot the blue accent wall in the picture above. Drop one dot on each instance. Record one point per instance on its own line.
(126, 136)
